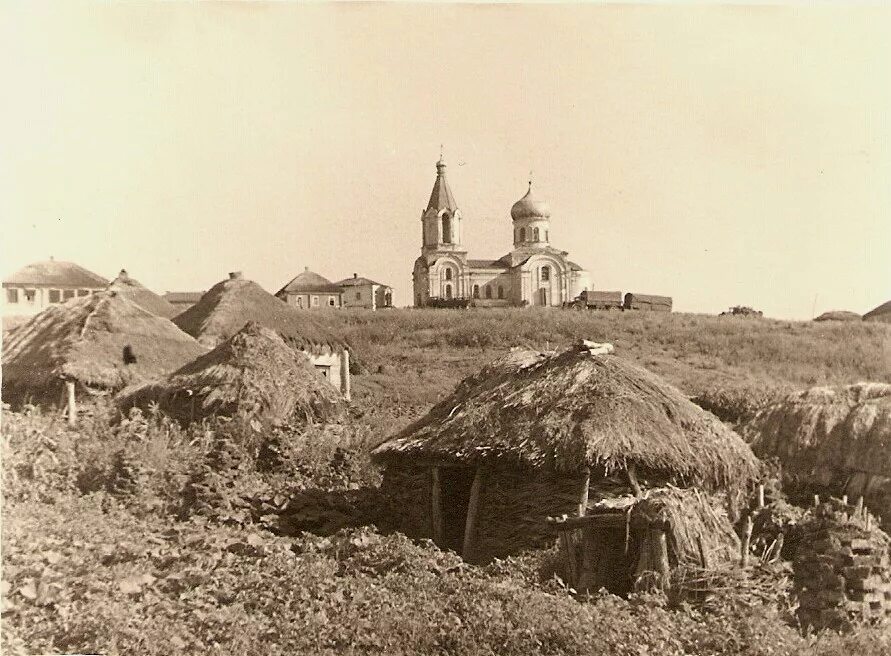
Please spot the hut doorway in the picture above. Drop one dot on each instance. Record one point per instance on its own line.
(455, 484)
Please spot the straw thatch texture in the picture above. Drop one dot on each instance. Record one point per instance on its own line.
(841, 428)
(881, 313)
(85, 340)
(252, 375)
(691, 517)
(571, 409)
(230, 304)
(142, 296)
(839, 315)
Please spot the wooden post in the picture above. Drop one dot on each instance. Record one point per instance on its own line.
(583, 497)
(845, 499)
(816, 500)
(632, 480)
(569, 554)
(661, 544)
(345, 373)
(761, 495)
(703, 555)
(72, 405)
(472, 509)
(436, 507)
(747, 537)
(777, 548)
(859, 507)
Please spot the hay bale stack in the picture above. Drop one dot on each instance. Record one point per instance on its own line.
(230, 304)
(839, 315)
(103, 342)
(252, 375)
(571, 410)
(841, 569)
(833, 438)
(142, 296)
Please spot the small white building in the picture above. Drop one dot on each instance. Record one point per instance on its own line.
(35, 287)
(310, 291)
(359, 292)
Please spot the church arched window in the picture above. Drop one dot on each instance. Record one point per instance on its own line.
(546, 236)
(535, 234)
(446, 229)
(545, 273)
(522, 234)
(488, 292)
(448, 274)
(500, 291)
(476, 291)
(448, 292)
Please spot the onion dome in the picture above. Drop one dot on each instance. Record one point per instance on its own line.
(528, 207)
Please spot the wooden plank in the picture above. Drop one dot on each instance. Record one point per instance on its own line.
(436, 506)
(569, 556)
(703, 554)
(587, 576)
(583, 496)
(472, 510)
(747, 536)
(72, 404)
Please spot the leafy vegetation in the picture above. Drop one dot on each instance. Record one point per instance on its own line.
(134, 535)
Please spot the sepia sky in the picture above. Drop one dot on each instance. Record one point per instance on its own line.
(720, 155)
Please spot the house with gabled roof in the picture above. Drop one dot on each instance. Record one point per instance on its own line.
(309, 290)
(361, 292)
(39, 285)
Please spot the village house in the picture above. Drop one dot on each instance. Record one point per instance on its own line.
(533, 273)
(359, 292)
(37, 286)
(311, 291)
(182, 301)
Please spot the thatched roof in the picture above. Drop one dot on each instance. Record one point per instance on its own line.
(309, 282)
(230, 304)
(842, 428)
(574, 409)
(142, 296)
(881, 313)
(85, 339)
(51, 273)
(253, 374)
(838, 315)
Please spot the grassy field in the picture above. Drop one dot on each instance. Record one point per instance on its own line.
(143, 537)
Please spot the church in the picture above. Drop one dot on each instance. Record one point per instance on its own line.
(533, 273)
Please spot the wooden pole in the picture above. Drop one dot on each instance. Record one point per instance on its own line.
(436, 507)
(661, 544)
(703, 555)
(747, 537)
(345, 373)
(816, 500)
(632, 480)
(72, 404)
(761, 495)
(472, 509)
(583, 497)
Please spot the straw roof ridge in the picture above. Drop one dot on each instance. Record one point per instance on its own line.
(252, 374)
(841, 428)
(232, 303)
(84, 339)
(573, 409)
(142, 296)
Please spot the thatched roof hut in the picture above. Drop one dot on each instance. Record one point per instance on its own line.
(538, 435)
(230, 304)
(142, 296)
(252, 375)
(624, 541)
(838, 315)
(838, 437)
(102, 342)
(880, 313)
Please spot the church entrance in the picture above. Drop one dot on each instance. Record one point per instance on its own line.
(544, 296)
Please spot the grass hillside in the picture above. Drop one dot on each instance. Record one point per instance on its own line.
(411, 358)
